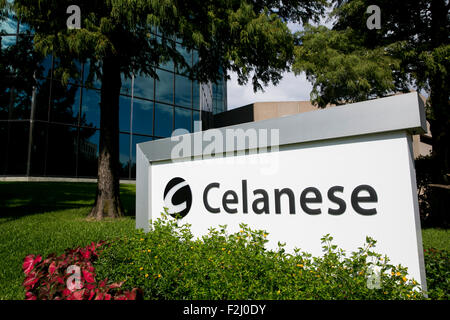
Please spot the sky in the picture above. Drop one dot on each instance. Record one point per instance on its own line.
(290, 88)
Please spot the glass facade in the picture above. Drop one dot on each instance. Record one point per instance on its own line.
(53, 129)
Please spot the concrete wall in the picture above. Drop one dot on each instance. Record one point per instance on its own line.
(268, 110)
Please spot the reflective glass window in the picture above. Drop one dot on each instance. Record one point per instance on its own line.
(7, 41)
(124, 154)
(62, 149)
(90, 76)
(43, 100)
(187, 55)
(90, 114)
(196, 95)
(164, 87)
(38, 150)
(143, 116)
(163, 120)
(17, 148)
(126, 85)
(44, 69)
(183, 91)
(143, 87)
(75, 70)
(124, 113)
(88, 152)
(5, 99)
(3, 146)
(21, 98)
(65, 103)
(183, 119)
(168, 65)
(196, 118)
(8, 25)
(136, 139)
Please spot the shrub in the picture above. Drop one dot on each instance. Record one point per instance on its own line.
(437, 265)
(52, 278)
(168, 263)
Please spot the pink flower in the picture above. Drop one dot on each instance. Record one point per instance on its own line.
(29, 262)
(89, 277)
(52, 268)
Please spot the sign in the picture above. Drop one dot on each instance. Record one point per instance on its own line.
(347, 171)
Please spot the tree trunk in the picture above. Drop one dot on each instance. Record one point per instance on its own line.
(107, 202)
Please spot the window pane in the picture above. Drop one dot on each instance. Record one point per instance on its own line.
(44, 69)
(7, 41)
(3, 146)
(37, 164)
(163, 120)
(65, 103)
(90, 114)
(187, 55)
(43, 100)
(195, 118)
(124, 155)
(5, 98)
(143, 116)
(196, 95)
(195, 57)
(183, 91)
(75, 70)
(136, 140)
(21, 102)
(88, 152)
(124, 113)
(164, 87)
(126, 85)
(17, 148)
(9, 25)
(143, 87)
(168, 65)
(183, 119)
(62, 146)
(90, 77)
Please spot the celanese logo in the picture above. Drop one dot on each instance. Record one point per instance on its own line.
(177, 198)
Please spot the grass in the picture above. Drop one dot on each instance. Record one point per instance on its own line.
(436, 238)
(43, 218)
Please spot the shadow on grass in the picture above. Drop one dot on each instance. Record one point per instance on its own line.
(19, 199)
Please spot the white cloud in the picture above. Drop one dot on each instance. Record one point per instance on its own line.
(290, 88)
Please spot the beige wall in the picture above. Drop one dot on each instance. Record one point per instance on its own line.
(268, 110)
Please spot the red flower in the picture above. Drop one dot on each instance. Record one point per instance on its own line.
(78, 295)
(52, 268)
(31, 280)
(89, 277)
(29, 262)
(30, 296)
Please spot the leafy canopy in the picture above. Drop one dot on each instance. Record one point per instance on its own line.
(248, 37)
(352, 63)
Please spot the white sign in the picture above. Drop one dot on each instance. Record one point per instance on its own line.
(350, 187)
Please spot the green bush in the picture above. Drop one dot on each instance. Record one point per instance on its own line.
(437, 265)
(168, 263)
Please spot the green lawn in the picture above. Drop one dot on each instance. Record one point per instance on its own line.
(436, 238)
(42, 218)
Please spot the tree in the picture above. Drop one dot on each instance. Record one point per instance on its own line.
(248, 37)
(411, 50)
